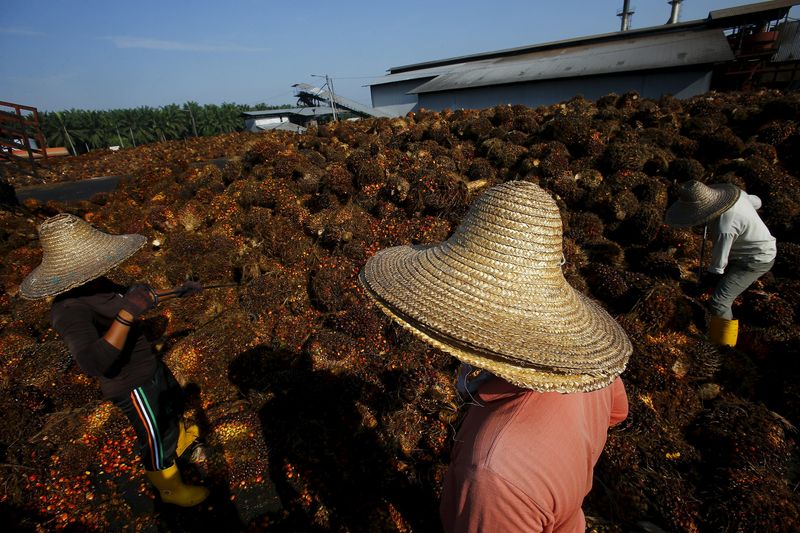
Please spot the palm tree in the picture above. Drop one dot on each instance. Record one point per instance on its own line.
(116, 122)
(62, 128)
(52, 129)
(193, 109)
(230, 117)
(207, 120)
(131, 127)
(146, 121)
(173, 122)
(96, 125)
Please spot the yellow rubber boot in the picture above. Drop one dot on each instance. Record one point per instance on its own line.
(723, 332)
(186, 436)
(173, 490)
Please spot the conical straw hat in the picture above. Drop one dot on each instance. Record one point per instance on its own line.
(74, 252)
(493, 295)
(698, 203)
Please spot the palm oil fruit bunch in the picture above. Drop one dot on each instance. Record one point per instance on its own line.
(291, 219)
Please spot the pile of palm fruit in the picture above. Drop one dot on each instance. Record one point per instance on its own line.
(319, 413)
(164, 156)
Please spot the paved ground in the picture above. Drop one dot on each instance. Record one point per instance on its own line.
(69, 191)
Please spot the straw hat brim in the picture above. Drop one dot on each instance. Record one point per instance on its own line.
(568, 344)
(684, 214)
(84, 262)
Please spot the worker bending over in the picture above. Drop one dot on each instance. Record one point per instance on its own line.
(100, 326)
(743, 251)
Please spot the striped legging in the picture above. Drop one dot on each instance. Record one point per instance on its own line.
(154, 410)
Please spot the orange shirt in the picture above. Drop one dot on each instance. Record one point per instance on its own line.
(523, 460)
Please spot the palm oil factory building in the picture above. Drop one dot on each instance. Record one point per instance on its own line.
(682, 59)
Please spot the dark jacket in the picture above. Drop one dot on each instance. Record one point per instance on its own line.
(82, 316)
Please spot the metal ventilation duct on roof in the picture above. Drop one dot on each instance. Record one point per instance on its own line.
(675, 12)
(625, 15)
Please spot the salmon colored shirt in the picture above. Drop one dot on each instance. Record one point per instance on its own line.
(523, 460)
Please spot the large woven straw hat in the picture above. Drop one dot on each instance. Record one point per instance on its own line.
(74, 252)
(698, 203)
(493, 295)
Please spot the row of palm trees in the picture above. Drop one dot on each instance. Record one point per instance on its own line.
(84, 130)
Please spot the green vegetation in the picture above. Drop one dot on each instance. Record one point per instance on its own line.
(83, 130)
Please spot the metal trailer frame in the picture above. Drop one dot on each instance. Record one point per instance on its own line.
(17, 130)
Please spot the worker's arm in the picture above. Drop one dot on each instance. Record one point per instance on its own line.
(94, 354)
(719, 254)
(619, 403)
(117, 334)
(97, 355)
(141, 298)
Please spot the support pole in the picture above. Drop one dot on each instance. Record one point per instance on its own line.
(702, 255)
(333, 97)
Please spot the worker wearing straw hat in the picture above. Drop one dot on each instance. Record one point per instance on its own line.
(743, 251)
(99, 325)
(493, 295)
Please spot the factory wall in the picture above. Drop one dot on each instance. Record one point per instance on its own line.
(681, 84)
(390, 94)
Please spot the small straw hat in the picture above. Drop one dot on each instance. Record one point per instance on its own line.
(493, 295)
(74, 252)
(698, 203)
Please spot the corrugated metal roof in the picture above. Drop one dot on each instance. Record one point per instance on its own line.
(314, 111)
(302, 111)
(788, 42)
(752, 9)
(564, 43)
(282, 126)
(414, 74)
(716, 19)
(646, 52)
(268, 112)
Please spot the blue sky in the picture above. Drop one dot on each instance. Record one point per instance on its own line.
(89, 54)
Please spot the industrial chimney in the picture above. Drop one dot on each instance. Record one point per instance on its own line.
(676, 10)
(625, 14)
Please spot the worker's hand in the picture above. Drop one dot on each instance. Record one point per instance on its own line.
(139, 299)
(189, 288)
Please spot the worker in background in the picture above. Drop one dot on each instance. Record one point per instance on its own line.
(743, 251)
(548, 361)
(100, 326)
